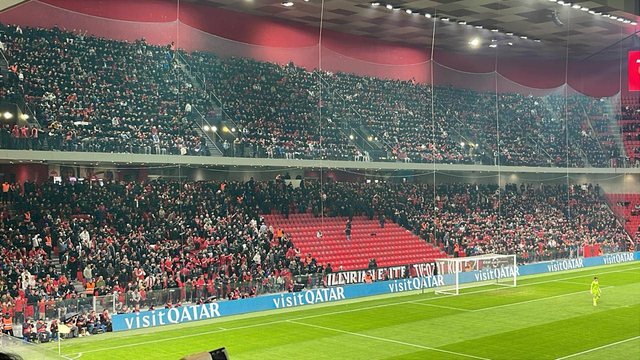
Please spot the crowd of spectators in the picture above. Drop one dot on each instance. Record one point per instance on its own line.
(99, 95)
(64, 244)
(96, 94)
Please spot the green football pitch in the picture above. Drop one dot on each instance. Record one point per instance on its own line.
(544, 317)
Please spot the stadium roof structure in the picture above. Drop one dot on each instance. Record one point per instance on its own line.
(547, 20)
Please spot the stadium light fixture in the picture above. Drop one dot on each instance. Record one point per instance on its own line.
(478, 26)
(553, 0)
(584, 8)
(445, 19)
(634, 23)
(462, 22)
(427, 15)
(566, 4)
(7, 115)
(494, 30)
(560, 2)
(474, 43)
(24, 117)
(510, 43)
(214, 128)
(351, 137)
(462, 144)
(370, 138)
(592, 12)
(523, 37)
(509, 34)
(493, 45)
(206, 128)
(375, 4)
(627, 21)
(233, 129)
(409, 11)
(576, 6)
(225, 129)
(287, 3)
(389, 6)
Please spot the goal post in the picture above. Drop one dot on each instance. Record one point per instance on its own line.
(471, 271)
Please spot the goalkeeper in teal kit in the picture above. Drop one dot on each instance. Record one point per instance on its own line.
(595, 290)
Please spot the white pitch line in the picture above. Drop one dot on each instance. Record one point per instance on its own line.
(78, 355)
(598, 348)
(387, 340)
(335, 313)
(574, 282)
(440, 306)
(536, 299)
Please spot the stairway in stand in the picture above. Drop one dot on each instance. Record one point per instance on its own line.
(391, 246)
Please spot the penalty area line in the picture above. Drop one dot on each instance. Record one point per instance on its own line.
(598, 348)
(387, 340)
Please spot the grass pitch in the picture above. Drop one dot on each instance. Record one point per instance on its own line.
(545, 317)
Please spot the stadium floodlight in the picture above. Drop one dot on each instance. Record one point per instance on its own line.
(206, 128)
(351, 137)
(389, 6)
(375, 4)
(409, 11)
(7, 115)
(576, 6)
(287, 3)
(24, 117)
(233, 129)
(427, 15)
(214, 128)
(584, 8)
(471, 271)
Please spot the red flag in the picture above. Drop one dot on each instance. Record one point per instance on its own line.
(633, 70)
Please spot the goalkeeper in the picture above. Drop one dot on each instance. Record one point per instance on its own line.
(595, 291)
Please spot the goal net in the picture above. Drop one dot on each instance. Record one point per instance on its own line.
(471, 271)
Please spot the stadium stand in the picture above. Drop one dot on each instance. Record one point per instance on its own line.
(629, 120)
(627, 208)
(95, 94)
(388, 244)
(164, 243)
